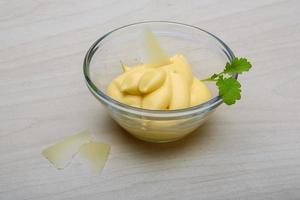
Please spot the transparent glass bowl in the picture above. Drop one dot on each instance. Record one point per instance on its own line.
(206, 54)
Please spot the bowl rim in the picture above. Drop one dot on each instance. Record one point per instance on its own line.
(206, 106)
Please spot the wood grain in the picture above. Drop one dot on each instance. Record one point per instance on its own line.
(248, 151)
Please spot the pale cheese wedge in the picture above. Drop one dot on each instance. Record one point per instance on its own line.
(95, 154)
(61, 153)
(154, 54)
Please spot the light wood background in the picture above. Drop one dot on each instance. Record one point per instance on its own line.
(247, 151)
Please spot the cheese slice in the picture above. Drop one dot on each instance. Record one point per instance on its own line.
(154, 54)
(95, 154)
(61, 153)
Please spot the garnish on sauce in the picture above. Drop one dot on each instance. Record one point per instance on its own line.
(165, 83)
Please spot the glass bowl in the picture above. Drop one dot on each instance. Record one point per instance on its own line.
(205, 52)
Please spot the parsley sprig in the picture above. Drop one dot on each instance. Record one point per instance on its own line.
(229, 87)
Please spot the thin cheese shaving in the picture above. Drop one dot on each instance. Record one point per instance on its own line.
(155, 55)
(95, 154)
(61, 153)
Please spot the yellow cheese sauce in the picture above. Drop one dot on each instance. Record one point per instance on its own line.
(169, 86)
(162, 83)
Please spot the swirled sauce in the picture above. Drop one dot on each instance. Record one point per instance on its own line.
(162, 84)
(167, 86)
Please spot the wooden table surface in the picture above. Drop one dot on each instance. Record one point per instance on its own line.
(247, 151)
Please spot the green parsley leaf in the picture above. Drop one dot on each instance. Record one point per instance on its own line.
(229, 89)
(237, 65)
